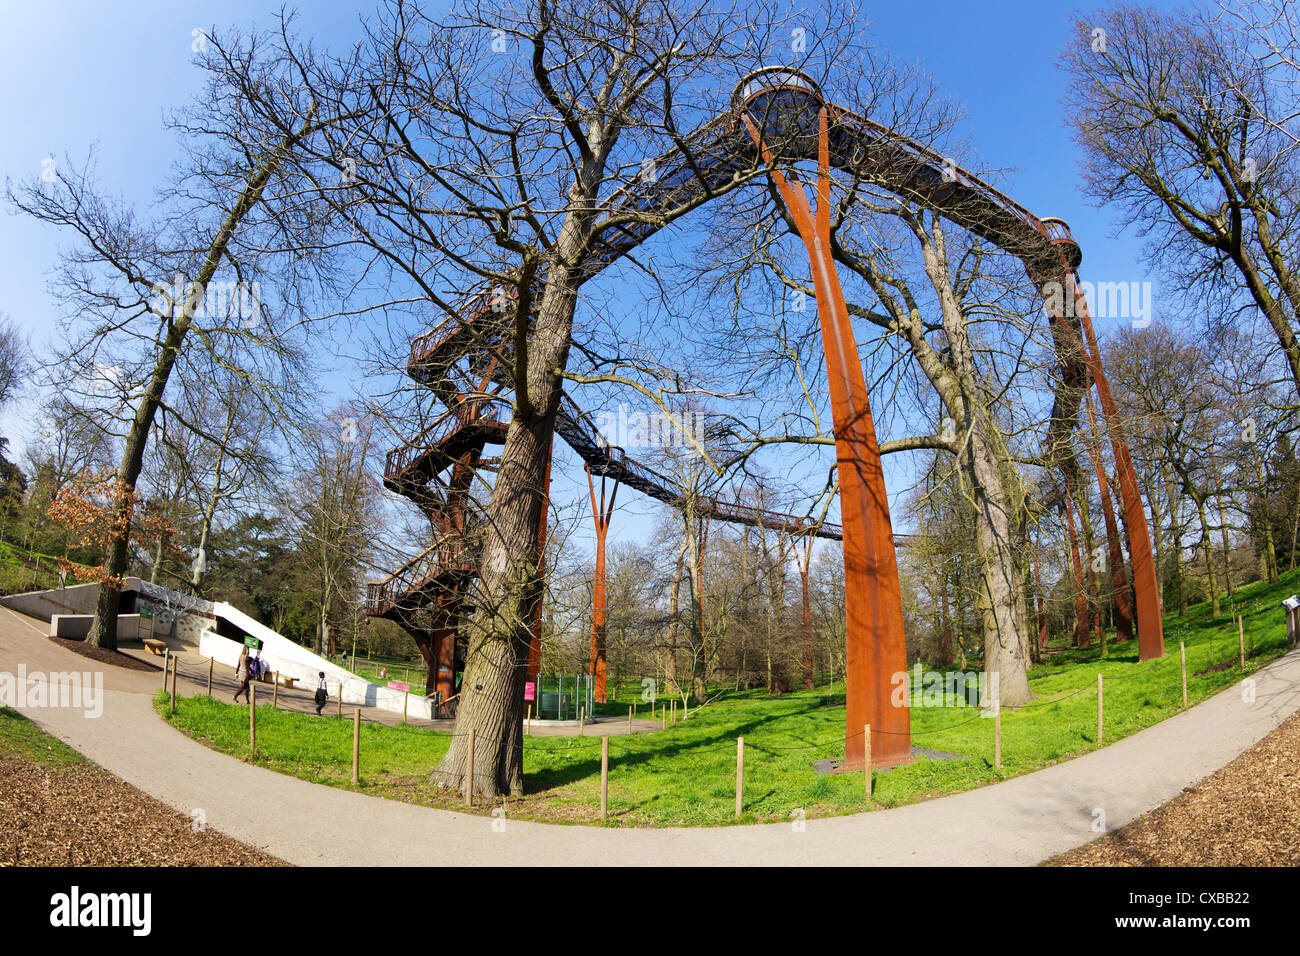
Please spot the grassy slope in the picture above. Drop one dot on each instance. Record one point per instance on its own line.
(21, 738)
(686, 774)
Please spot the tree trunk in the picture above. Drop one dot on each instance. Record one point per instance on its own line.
(510, 587)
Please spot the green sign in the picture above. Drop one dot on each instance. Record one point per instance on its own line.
(146, 612)
(251, 642)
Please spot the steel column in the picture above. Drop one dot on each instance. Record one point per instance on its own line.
(1038, 599)
(1151, 631)
(601, 513)
(875, 650)
(1081, 636)
(1118, 577)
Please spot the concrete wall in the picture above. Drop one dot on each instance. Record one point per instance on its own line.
(77, 626)
(78, 599)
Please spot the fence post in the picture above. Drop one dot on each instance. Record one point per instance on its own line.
(173, 687)
(997, 734)
(252, 716)
(469, 772)
(167, 656)
(582, 712)
(604, 777)
(740, 774)
(340, 698)
(406, 699)
(866, 759)
(1100, 697)
(275, 691)
(1182, 655)
(210, 661)
(1241, 641)
(356, 746)
(528, 723)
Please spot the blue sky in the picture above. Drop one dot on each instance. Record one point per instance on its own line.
(77, 74)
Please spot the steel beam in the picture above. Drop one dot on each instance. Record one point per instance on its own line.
(601, 513)
(1151, 630)
(875, 651)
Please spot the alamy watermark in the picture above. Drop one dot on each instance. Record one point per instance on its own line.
(921, 688)
(1106, 300)
(216, 300)
(64, 689)
(624, 428)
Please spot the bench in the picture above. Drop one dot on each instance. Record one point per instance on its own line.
(286, 680)
(154, 646)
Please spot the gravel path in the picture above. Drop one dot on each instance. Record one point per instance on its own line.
(57, 808)
(1247, 814)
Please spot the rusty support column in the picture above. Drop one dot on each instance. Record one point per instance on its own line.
(1081, 636)
(1151, 634)
(874, 645)
(1118, 577)
(1038, 600)
(601, 513)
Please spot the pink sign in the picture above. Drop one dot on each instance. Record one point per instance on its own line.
(398, 685)
(530, 691)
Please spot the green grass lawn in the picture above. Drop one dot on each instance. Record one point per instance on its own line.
(20, 738)
(685, 775)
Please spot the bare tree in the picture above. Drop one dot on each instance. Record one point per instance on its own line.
(226, 268)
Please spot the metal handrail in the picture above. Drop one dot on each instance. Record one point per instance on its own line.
(442, 428)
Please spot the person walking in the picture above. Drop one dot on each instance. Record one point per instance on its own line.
(242, 676)
(321, 694)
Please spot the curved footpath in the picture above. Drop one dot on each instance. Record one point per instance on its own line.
(1022, 821)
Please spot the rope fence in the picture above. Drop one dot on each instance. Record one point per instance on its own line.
(633, 745)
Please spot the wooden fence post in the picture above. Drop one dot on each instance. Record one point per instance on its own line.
(252, 716)
(740, 774)
(1182, 655)
(469, 772)
(604, 777)
(341, 698)
(997, 734)
(356, 746)
(582, 713)
(210, 661)
(275, 691)
(1100, 697)
(866, 759)
(173, 687)
(1241, 641)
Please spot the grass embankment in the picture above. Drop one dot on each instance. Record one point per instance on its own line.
(23, 570)
(685, 775)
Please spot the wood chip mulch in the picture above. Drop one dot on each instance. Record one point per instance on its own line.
(1246, 814)
(105, 656)
(82, 815)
